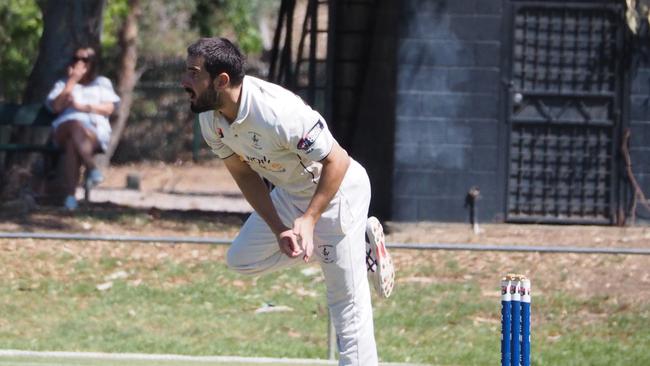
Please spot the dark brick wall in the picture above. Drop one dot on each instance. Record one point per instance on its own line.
(369, 136)
(640, 130)
(447, 110)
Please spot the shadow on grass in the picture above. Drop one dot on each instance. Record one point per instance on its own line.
(55, 218)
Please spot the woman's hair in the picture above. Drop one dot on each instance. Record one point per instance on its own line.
(92, 63)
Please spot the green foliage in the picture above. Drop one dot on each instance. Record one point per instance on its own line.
(114, 14)
(240, 14)
(202, 17)
(21, 26)
(241, 17)
(165, 29)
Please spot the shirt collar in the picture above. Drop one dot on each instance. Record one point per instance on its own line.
(244, 103)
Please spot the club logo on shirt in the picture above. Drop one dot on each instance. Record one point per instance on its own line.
(220, 132)
(308, 140)
(266, 164)
(255, 137)
(326, 252)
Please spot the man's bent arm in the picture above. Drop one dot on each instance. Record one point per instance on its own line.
(255, 192)
(334, 167)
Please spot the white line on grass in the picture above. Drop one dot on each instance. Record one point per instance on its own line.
(162, 357)
(168, 357)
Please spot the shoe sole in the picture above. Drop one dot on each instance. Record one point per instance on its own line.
(384, 278)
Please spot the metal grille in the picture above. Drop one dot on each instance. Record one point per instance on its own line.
(560, 172)
(565, 50)
(563, 112)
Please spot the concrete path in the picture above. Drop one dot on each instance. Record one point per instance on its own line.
(222, 202)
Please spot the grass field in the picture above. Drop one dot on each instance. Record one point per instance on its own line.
(159, 299)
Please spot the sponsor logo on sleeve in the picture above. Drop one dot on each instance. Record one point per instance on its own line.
(308, 140)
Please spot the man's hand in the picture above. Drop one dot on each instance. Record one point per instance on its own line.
(303, 229)
(289, 243)
(334, 167)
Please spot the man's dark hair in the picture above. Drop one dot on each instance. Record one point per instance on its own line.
(220, 55)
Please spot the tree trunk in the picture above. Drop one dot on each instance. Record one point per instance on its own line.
(65, 25)
(127, 76)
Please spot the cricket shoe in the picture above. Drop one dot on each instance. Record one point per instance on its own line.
(381, 272)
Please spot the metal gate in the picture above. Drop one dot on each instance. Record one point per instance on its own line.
(564, 112)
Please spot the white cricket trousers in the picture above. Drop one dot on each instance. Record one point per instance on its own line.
(339, 246)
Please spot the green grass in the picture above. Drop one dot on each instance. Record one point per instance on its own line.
(202, 308)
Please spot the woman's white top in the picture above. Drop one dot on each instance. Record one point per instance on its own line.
(97, 91)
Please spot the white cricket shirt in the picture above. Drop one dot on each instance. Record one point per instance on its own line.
(276, 133)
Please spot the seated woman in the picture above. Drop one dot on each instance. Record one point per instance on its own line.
(83, 102)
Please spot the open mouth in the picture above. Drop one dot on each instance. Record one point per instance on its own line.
(191, 93)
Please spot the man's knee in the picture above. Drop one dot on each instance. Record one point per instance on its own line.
(236, 260)
(232, 258)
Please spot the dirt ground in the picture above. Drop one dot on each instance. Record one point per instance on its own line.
(209, 177)
(182, 186)
(179, 182)
(163, 206)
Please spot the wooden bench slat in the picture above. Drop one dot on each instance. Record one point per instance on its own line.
(34, 115)
(25, 115)
(26, 148)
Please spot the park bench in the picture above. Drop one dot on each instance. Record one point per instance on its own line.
(26, 116)
(32, 117)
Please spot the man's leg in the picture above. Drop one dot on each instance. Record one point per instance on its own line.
(348, 297)
(255, 250)
(340, 247)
